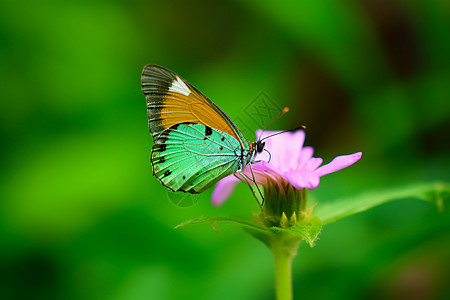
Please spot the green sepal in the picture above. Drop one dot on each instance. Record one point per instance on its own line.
(308, 229)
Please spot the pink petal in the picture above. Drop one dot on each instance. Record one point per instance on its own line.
(338, 163)
(303, 179)
(313, 163)
(263, 171)
(305, 155)
(223, 189)
(264, 166)
(285, 148)
(292, 144)
(274, 146)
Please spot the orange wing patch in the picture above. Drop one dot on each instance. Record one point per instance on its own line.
(172, 100)
(179, 108)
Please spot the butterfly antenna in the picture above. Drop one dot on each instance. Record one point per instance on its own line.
(283, 111)
(299, 127)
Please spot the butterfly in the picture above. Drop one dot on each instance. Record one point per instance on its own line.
(195, 143)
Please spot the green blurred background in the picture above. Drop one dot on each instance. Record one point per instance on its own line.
(82, 217)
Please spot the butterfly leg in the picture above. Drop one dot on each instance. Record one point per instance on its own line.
(257, 187)
(247, 181)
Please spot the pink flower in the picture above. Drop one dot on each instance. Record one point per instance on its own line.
(291, 163)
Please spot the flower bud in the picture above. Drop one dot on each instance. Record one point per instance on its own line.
(283, 205)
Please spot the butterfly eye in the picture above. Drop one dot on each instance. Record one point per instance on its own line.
(260, 146)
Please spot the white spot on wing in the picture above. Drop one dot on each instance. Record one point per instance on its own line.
(178, 86)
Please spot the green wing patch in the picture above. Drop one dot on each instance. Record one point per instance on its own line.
(192, 157)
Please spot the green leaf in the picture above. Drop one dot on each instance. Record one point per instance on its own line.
(212, 220)
(343, 207)
(307, 229)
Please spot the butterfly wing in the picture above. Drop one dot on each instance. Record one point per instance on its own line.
(172, 100)
(192, 157)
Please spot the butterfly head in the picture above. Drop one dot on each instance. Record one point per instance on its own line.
(259, 146)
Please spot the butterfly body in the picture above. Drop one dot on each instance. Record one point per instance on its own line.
(195, 142)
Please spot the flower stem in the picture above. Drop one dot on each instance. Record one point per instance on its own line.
(284, 249)
(283, 276)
